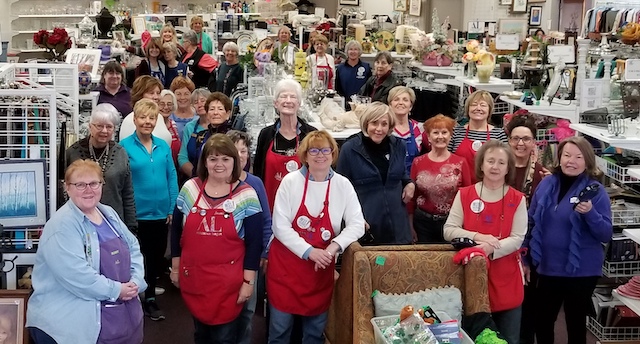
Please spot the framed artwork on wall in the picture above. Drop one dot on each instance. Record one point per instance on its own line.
(414, 7)
(13, 312)
(513, 26)
(535, 15)
(22, 189)
(87, 59)
(519, 6)
(400, 5)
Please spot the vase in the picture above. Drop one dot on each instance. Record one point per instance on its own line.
(438, 61)
(471, 70)
(366, 47)
(484, 73)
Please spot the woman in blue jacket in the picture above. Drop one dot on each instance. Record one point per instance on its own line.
(567, 227)
(373, 161)
(155, 189)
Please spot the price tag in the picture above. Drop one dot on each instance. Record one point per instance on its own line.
(507, 42)
(632, 70)
(564, 53)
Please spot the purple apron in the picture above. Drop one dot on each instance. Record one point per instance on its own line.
(121, 321)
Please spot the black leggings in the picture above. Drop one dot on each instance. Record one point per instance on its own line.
(572, 292)
(40, 337)
(428, 229)
(152, 235)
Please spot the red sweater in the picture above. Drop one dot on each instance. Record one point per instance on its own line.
(437, 183)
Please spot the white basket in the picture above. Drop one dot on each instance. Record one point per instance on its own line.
(614, 171)
(621, 269)
(381, 323)
(626, 217)
(609, 334)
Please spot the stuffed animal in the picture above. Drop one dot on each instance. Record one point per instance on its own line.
(25, 281)
(334, 118)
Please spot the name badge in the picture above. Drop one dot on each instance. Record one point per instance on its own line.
(303, 222)
(477, 206)
(476, 145)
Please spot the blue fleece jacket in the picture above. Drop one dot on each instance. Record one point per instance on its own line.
(154, 178)
(561, 241)
(267, 232)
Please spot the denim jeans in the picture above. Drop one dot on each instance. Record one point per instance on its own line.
(215, 334)
(281, 323)
(40, 337)
(508, 323)
(244, 320)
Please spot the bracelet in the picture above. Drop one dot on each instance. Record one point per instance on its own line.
(331, 254)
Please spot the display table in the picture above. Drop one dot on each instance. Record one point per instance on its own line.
(456, 69)
(494, 85)
(337, 135)
(554, 110)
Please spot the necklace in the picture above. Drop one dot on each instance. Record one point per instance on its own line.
(286, 152)
(102, 159)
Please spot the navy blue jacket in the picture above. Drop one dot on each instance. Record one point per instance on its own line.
(349, 80)
(561, 241)
(381, 202)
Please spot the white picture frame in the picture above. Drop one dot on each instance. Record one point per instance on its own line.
(86, 59)
(119, 36)
(514, 26)
(139, 25)
(519, 6)
(535, 15)
(415, 7)
(17, 259)
(23, 180)
(400, 5)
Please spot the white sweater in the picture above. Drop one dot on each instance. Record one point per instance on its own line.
(343, 205)
(160, 131)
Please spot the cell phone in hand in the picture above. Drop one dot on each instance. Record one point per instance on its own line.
(587, 194)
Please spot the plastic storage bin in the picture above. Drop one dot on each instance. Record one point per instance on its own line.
(380, 323)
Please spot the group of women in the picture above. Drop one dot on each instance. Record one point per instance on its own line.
(381, 192)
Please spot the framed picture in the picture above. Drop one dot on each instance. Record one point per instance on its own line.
(535, 15)
(16, 270)
(350, 2)
(87, 59)
(506, 2)
(532, 31)
(514, 26)
(22, 191)
(400, 5)
(414, 7)
(119, 36)
(13, 313)
(519, 6)
(139, 25)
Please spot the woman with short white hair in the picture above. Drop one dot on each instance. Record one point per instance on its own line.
(353, 73)
(230, 73)
(286, 52)
(167, 106)
(278, 143)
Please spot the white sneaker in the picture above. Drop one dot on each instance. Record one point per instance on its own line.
(159, 290)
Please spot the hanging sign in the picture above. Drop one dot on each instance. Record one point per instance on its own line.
(564, 53)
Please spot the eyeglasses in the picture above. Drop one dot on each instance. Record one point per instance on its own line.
(82, 185)
(102, 127)
(316, 151)
(516, 139)
(161, 104)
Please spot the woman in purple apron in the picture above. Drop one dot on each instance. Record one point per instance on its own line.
(88, 270)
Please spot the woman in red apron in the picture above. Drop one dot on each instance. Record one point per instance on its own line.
(494, 215)
(278, 143)
(216, 213)
(401, 100)
(468, 139)
(322, 64)
(308, 237)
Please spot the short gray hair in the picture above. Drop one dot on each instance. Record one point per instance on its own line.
(173, 98)
(106, 112)
(171, 46)
(190, 36)
(199, 93)
(288, 85)
(231, 46)
(353, 44)
(237, 136)
(375, 111)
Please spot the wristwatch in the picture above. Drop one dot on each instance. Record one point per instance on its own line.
(252, 282)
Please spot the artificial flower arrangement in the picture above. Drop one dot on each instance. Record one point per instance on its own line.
(434, 49)
(56, 42)
(483, 61)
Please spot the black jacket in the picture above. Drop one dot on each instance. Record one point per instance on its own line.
(383, 91)
(267, 134)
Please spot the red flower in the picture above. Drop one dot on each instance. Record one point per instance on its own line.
(55, 39)
(40, 37)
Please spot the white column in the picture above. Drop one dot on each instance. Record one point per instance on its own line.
(583, 49)
(606, 89)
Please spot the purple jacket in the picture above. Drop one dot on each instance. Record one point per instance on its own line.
(121, 100)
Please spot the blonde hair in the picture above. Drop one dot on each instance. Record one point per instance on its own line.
(171, 46)
(169, 27)
(398, 90)
(146, 107)
(478, 96)
(196, 19)
(375, 111)
(82, 166)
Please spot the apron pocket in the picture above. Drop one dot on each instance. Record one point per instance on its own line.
(117, 325)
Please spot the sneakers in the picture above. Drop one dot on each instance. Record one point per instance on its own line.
(159, 290)
(152, 310)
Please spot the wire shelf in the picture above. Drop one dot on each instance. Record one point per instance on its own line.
(608, 334)
(615, 171)
(621, 269)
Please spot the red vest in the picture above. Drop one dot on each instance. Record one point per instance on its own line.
(506, 284)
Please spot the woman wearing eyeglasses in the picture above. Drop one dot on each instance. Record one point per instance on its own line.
(467, 139)
(88, 270)
(308, 237)
(278, 143)
(155, 185)
(100, 147)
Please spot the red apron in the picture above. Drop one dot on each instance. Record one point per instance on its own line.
(211, 265)
(292, 284)
(276, 166)
(468, 148)
(329, 72)
(506, 284)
